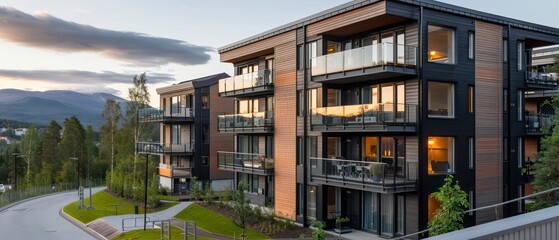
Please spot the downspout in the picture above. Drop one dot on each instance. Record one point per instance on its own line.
(419, 121)
(304, 139)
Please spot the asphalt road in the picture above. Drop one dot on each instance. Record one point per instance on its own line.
(40, 219)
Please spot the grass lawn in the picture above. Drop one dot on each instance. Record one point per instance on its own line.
(215, 223)
(168, 197)
(104, 206)
(176, 233)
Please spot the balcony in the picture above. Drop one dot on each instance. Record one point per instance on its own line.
(375, 176)
(259, 122)
(174, 171)
(245, 162)
(536, 79)
(383, 117)
(156, 148)
(535, 123)
(246, 85)
(378, 61)
(166, 114)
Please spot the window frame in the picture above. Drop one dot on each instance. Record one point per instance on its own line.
(451, 161)
(453, 59)
(471, 152)
(452, 105)
(471, 45)
(471, 99)
(520, 56)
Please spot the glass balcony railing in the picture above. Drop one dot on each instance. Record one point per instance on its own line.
(535, 122)
(246, 122)
(538, 78)
(363, 173)
(245, 162)
(164, 148)
(174, 170)
(248, 81)
(369, 56)
(364, 115)
(173, 113)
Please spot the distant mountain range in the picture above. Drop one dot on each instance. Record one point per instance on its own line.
(42, 107)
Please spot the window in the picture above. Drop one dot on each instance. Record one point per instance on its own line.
(471, 40)
(401, 215)
(471, 152)
(300, 203)
(432, 205)
(300, 102)
(440, 155)
(505, 50)
(300, 151)
(311, 53)
(440, 41)
(175, 134)
(205, 134)
(300, 57)
(205, 101)
(520, 106)
(505, 149)
(471, 102)
(313, 103)
(311, 202)
(205, 160)
(520, 52)
(520, 152)
(441, 99)
(312, 147)
(505, 100)
(521, 201)
(471, 200)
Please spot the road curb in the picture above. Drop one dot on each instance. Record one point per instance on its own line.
(81, 225)
(4, 208)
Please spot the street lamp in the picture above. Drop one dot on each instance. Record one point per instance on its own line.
(146, 193)
(90, 196)
(80, 191)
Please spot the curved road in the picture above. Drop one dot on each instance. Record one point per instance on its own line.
(40, 219)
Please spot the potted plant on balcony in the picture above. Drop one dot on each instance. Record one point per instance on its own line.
(376, 171)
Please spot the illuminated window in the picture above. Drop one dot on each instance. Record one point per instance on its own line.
(432, 206)
(440, 41)
(440, 156)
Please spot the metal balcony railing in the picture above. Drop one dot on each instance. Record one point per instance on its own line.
(165, 114)
(245, 162)
(364, 115)
(537, 78)
(382, 54)
(246, 122)
(164, 148)
(363, 173)
(535, 122)
(247, 81)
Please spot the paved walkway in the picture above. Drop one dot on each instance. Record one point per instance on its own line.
(116, 221)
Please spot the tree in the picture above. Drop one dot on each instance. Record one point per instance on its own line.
(195, 189)
(241, 206)
(49, 154)
(30, 148)
(139, 98)
(72, 144)
(449, 216)
(112, 115)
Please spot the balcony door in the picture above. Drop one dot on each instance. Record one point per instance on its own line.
(387, 40)
(400, 47)
(387, 100)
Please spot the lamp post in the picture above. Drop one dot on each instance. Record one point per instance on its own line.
(146, 193)
(89, 181)
(80, 190)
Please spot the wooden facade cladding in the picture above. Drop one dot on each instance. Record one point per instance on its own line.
(259, 48)
(488, 119)
(219, 142)
(285, 129)
(347, 18)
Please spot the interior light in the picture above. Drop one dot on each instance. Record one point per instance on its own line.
(431, 142)
(432, 53)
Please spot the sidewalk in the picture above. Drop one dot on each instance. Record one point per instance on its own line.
(116, 221)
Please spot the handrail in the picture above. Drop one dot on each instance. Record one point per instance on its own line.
(135, 222)
(488, 207)
(260, 78)
(346, 160)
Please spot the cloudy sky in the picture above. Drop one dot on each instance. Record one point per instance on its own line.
(92, 46)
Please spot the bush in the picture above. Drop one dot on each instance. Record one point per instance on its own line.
(318, 231)
(196, 191)
(208, 193)
(164, 190)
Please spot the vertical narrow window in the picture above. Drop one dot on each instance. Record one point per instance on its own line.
(505, 50)
(312, 94)
(520, 152)
(520, 107)
(471, 200)
(505, 149)
(205, 134)
(311, 54)
(311, 202)
(471, 152)
(471, 45)
(505, 100)
(471, 102)
(520, 54)
(299, 199)
(312, 147)
(205, 101)
(401, 215)
(521, 201)
(300, 57)
(299, 150)
(205, 160)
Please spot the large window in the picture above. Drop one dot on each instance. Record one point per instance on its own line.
(441, 99)
(370, 211)
(440, 42)
(311, 202)
(440, 155)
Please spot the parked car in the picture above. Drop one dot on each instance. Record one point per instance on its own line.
(2, 188)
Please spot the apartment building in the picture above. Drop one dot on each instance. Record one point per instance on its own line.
(374, 103)
(188, 137)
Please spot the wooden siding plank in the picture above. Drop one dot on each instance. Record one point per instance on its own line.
(267, 44)
(219, 141)
(355, 16)
(285, 130)
(488, 119)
